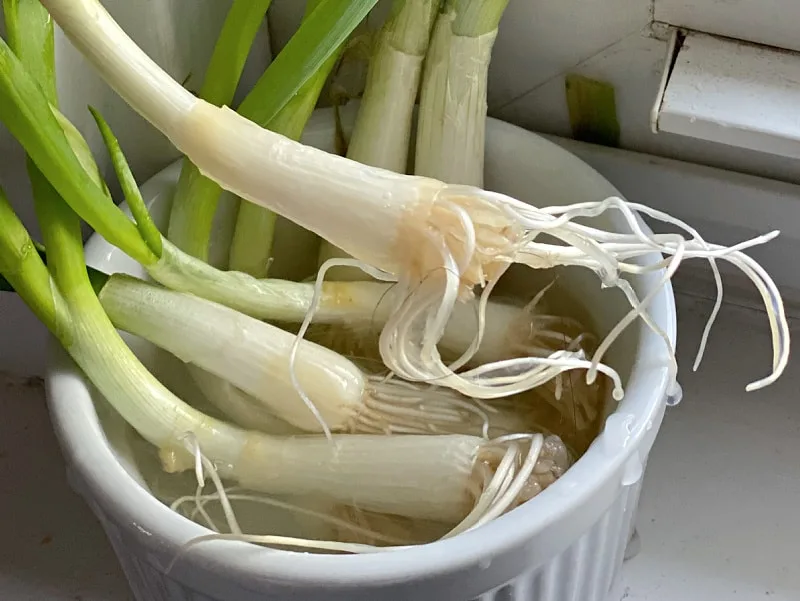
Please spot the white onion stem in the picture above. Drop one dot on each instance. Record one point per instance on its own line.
(251, 354)
(382, 130)
(330, 393)
(452, 108)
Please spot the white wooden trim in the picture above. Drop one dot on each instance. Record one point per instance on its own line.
(770, 22)
(733, 93)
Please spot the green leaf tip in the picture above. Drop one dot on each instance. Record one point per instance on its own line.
(144, 222)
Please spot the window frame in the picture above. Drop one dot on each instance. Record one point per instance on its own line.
(730, 92)
(768, 22)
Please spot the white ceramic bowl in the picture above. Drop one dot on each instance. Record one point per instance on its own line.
(565, 545)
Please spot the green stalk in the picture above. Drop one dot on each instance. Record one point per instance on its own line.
(251, 246)
(28, 115)
(61, 231)
(25, 273)
(29, 31)
(147, 228)
(452, 108)
(195, 198)
(320, 36)
(31, 38)
(474, 18)
(72, 310)
(239, 30)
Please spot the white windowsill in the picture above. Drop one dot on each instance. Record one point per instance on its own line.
(731, 92)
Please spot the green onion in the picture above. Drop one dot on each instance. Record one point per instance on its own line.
(319, 37)
(452, 111)
(377, 473)
(382, 130)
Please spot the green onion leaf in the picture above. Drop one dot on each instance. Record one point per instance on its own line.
(26, 112)
(147, 228)
(320, 35)
(29, 31)
(242, 23)
(22, 269)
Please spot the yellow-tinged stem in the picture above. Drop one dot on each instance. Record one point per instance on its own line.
(21, 265)
(476, 17)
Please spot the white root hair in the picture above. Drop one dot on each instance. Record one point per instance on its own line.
(472, 236)
(477, 234)
(241, 495)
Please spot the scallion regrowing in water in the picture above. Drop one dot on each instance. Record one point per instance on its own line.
(468, 480)
(27, 111)
(438, 415)
(438, 241)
